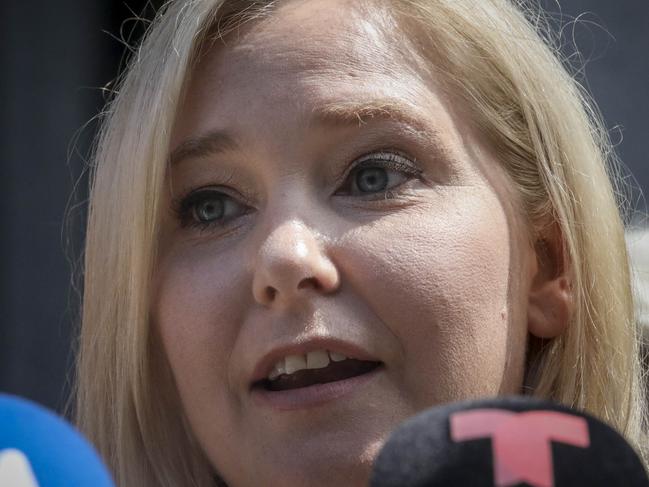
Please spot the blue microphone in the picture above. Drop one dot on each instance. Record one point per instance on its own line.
(40, 449)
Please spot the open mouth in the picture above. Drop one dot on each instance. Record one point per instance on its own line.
(335, 371)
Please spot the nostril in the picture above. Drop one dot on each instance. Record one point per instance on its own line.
(270, 293)
(309, 282)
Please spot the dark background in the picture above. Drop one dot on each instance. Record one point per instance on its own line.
(54, 58)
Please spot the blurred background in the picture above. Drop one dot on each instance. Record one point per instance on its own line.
(56, 58)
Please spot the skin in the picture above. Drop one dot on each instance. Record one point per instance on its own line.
(438, 281)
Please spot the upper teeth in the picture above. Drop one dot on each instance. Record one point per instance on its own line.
(317, 359)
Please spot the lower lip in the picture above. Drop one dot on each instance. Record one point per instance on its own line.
(315, 395)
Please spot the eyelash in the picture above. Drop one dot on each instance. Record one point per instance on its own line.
(186, 207)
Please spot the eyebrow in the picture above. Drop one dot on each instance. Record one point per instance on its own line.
(382, 109)
(349, 113)
(335, 114)
(214, 142)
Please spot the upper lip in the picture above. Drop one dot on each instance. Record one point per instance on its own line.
(265, 365)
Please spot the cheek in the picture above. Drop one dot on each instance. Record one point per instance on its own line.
(196, 307)
(438, 277)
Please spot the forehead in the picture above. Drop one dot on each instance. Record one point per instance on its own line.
(297, 34)
(306, 53)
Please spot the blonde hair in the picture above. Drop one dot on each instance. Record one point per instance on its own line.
(497, 55)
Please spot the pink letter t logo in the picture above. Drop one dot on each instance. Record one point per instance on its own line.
(521, 441)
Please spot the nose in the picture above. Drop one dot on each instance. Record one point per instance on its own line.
(292, 262)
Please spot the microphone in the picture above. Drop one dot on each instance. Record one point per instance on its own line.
(40, 449)
(503, 442)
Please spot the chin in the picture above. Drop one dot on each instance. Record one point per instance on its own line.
(324, 464)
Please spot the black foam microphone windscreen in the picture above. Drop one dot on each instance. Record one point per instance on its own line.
(507, 441)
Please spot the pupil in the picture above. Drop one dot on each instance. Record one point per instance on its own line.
(373, 179)
(210, 210)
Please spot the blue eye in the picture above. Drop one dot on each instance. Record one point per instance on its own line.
(379, 172)
(372, 179)
(207, 207)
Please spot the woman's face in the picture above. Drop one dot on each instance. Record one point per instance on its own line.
(327, 199)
